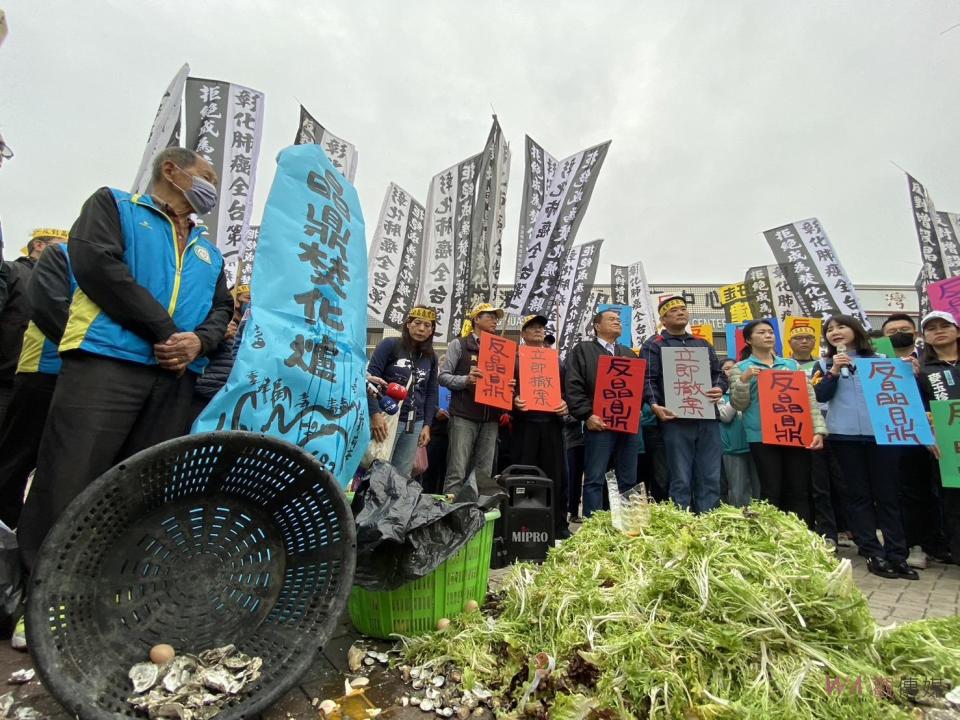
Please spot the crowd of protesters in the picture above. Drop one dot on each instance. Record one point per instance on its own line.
(887, 500)
(115, 335)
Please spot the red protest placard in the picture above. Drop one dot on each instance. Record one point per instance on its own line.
(540, 378)
(618, 395)
(945, 295)
(498, 357)
(785, 417)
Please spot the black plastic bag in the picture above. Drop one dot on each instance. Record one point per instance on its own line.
(404, 534)
(11, 580)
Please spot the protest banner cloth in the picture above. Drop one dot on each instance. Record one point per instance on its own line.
(539, 169)
(446, 245)
(785, 417)
(540, 378)
(814, 271)
(644, 315)
(945, 295)
(497, 359)
(571, 308)
(770, 293)
(224, 123)
(341, 153)
(704, 332)
(625, 315)
(165, 131)
(555, 230)
(946, 422)
(619, 289)
(486, 226)
(893, 401)
(618, 394)
(686, 379)
(791, 322)
(948, 235)
(936, 233)
(248, 253)
(300, 373)
(395, 252)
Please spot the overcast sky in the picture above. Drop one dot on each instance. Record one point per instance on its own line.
(727, 118)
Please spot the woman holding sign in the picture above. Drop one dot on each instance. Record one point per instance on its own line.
(777, 423)
(871, 480)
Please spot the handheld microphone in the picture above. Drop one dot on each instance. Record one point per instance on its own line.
(844, 371)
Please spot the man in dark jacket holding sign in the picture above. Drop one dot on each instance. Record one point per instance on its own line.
(694, 449)
(537, 437)
(600, 443)
(473, 427)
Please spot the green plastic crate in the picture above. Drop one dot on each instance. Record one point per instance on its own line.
(414, 608)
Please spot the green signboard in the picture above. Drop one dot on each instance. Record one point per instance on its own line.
(946, 424)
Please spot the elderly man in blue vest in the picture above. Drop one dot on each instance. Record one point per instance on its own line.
(151, 301)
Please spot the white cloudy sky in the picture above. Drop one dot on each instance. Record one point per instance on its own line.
(727, 118)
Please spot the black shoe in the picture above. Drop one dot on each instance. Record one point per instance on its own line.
(941, 556)
(576, 519)
(903, 570)
(879, 566)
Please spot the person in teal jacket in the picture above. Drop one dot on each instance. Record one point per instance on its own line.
(151, 302)
(785, 471)
(739, 470)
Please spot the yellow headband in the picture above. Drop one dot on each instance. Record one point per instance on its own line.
(798, 330)
(423, 314)
(50, 232)
(670, 305)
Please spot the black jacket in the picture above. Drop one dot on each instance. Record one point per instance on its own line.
(50, 294)
(653, 387)
(217, 371)
(938, 380)
(14, 314)
(580, 375)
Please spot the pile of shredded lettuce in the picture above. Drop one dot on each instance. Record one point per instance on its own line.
(737, 613)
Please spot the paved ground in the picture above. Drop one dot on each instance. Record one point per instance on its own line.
(936, 594)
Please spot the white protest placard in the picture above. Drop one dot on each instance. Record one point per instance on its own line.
(686, 379)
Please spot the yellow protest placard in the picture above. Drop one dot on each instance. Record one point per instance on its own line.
(736, 302)
(704, 331)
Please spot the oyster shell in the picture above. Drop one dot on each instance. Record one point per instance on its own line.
(179, 672)
(144, 676)
(220, 679)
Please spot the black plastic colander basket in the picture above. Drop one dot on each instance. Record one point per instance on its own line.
(225, 537)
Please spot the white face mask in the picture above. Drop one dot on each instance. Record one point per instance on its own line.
(202, 194)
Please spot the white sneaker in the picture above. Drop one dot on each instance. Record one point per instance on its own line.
(917, 558)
